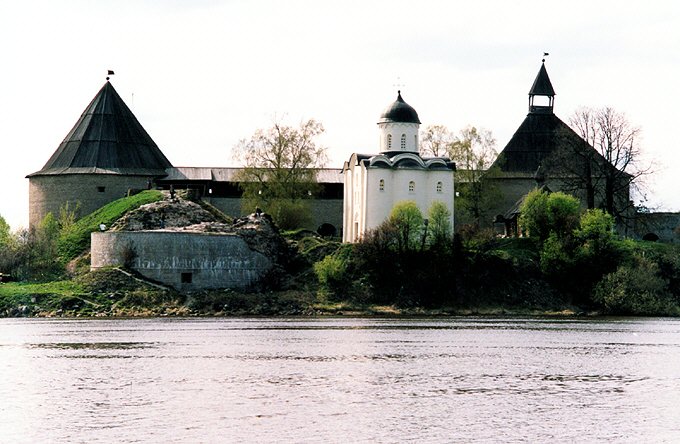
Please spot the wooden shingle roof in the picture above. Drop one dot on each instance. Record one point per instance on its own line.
(107, 139)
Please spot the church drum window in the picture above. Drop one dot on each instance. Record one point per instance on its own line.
(382, 185)
(389, 141)
(411, 187)
(403, 141)
(439, 187)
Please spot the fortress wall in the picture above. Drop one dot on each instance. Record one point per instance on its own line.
(664, 225)
(323, 210)
(185, 261)
(49, 193)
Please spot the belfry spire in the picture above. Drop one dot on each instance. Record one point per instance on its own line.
(542, 88)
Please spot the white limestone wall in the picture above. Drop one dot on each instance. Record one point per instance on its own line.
(184, 260)
(396, 130)
(397, 189)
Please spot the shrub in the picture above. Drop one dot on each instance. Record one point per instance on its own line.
(635, 289)
(289, 214)
(335, 273)
(439, 224)
(543, 213)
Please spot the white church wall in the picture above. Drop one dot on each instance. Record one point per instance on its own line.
(395, 130)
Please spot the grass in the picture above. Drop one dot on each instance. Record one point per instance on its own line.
(77, 238)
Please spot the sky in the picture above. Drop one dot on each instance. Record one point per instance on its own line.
(201, 75)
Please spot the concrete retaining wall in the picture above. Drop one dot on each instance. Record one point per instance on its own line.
(186, 261)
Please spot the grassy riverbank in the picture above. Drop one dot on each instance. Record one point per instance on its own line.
(116, 293)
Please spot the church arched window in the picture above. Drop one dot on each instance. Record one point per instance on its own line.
(389, 141)
(403, 141)
(411, 187)
(382, 185)
(439, 187)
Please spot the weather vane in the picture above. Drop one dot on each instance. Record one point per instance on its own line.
(110, 74)
(545, 54)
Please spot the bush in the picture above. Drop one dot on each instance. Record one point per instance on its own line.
(289, 214)
(337, 273)
(635, 289)
(543, 213)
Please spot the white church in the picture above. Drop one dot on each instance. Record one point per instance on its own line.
(374, 183)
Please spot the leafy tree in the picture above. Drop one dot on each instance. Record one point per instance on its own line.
(439, 224)
(596, 230)
(5, 233)
(408, 222)
(280, 166)
(473, 151)
(543, 213)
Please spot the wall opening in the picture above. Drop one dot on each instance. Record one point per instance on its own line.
(101, 189)
(186, 278)
(651, 237)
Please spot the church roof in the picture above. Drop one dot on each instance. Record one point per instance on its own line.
(542, 85)
(107, 139)
(399, 111)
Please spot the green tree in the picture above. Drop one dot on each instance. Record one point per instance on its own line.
(543, 213)
(280, 167)
(5, 233)
(473, 151)
(408, 223)
(439, 224)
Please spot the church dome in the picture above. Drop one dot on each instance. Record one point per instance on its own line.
(399, 111)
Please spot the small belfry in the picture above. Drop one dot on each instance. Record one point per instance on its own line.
(374, 183)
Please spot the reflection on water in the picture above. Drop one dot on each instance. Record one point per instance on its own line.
(340, 380)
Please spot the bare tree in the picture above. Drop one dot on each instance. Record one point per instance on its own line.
(436, 141)
(604, 161)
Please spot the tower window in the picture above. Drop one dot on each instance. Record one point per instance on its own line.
(439, 187)
(411, 187)
(403, 141)
(186, 278)
(382, 185)
(101, 189)
(389, 141)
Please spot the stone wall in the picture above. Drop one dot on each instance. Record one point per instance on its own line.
(92, 191)
(183, 260)
(665, 226)
(323, 210)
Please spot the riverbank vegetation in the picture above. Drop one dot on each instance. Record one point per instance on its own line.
(568, 262)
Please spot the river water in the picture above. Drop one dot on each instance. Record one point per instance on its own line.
(340, 380)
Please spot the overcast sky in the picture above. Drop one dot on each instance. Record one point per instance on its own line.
(202, 74)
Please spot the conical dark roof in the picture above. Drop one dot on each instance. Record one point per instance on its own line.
(536, 139)
(542, 85)
(399, 111)
(107, 139)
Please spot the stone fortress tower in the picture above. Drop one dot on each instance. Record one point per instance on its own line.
(107, 153)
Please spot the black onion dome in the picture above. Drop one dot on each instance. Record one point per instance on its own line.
(399, 111)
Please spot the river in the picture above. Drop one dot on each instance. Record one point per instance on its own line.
(340, 380)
